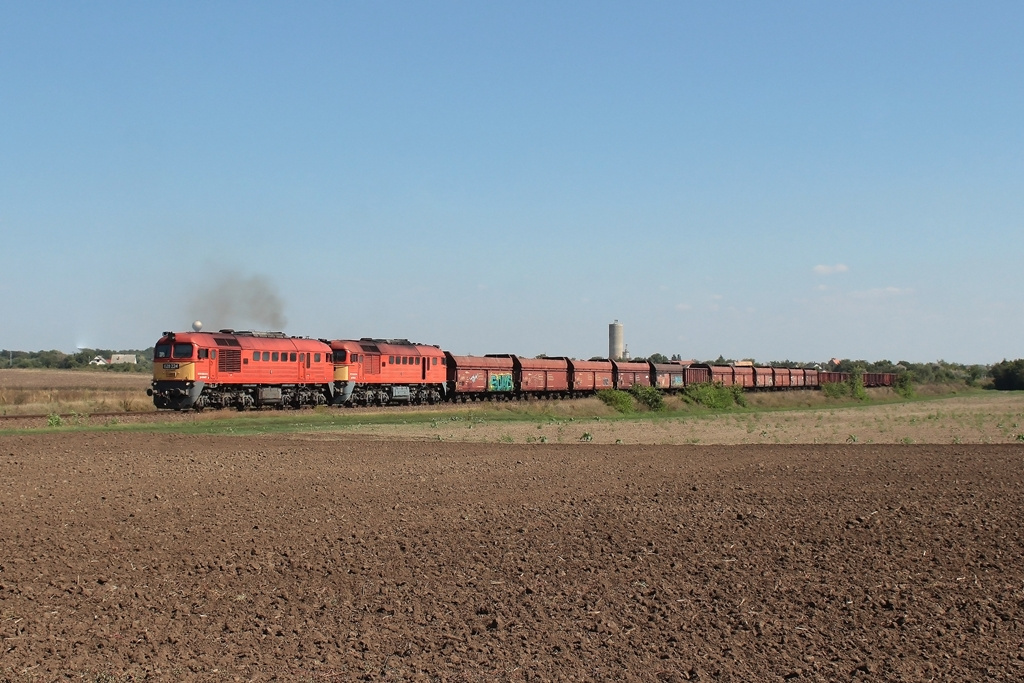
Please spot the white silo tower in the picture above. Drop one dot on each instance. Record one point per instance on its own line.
(616, 341)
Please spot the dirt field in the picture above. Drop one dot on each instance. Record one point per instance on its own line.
(127, 557)
(992, 417)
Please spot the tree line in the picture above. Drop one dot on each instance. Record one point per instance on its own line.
(79, 360)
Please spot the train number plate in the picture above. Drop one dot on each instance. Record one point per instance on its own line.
(171, 366)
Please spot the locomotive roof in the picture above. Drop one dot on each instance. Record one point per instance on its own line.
(246, 340)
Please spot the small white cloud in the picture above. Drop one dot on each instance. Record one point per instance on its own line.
(830, 270)
(683, 307)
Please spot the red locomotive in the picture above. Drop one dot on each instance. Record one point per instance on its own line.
(196, 370)
(382, 371)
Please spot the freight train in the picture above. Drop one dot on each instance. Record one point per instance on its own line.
(197, 370)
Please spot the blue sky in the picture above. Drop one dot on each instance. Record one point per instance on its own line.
(796, 180)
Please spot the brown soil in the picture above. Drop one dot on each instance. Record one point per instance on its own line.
(173, 557)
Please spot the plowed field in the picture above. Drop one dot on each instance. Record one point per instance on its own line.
(128, 557)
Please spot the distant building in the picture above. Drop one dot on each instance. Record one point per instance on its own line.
(124, 358)
(98, 360)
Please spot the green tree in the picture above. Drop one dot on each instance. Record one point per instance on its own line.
(1008, 375)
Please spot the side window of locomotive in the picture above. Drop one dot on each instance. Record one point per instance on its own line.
(266, 355)
(417, 360)
(213, 353)
(292, 357)
(255, 355)
(316, 357)
(201, 354)
(274, 356)
(302, 358)
(391, 359)
(435, 362)
(182, 350)
(162, 351)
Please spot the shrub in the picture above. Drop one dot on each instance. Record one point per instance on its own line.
(715, 395)
(54, 420)
(619, 400)
(835, 389)
(904, 385)
(1008, 375)
(648, 396)
(857, 385)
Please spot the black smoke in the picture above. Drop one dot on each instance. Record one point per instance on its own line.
(233, 300)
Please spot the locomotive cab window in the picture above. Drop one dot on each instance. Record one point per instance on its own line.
(162, 351)
(182, 350)
(340, 355)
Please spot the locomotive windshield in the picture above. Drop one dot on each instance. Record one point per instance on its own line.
(182, 350)
(162, 351)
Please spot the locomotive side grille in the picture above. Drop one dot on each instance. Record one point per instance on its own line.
(226, 342)
(230, 360)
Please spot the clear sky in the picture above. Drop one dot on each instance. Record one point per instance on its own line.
(793, 180)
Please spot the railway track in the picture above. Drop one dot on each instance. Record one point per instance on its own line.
(171, 414)
(119, 413)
